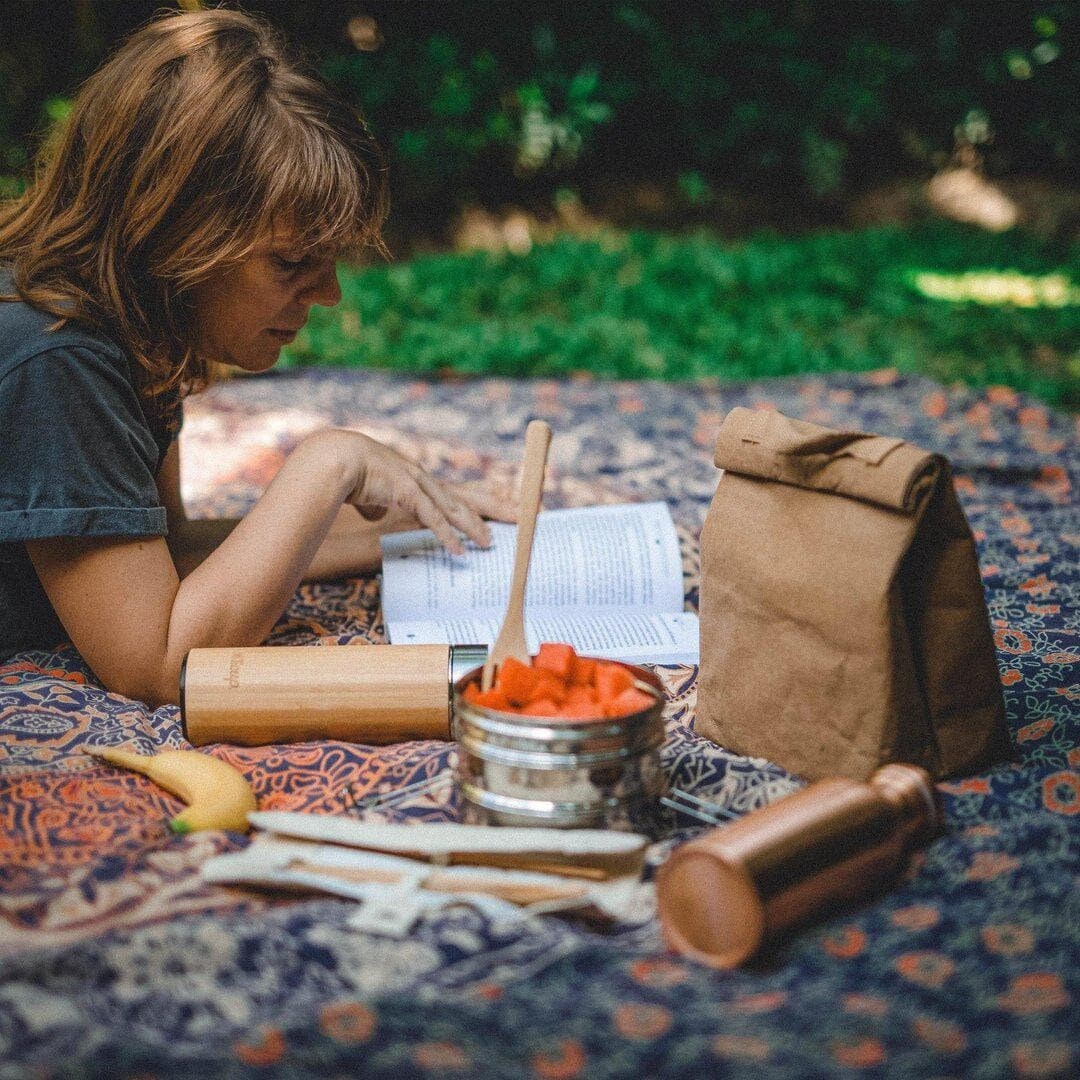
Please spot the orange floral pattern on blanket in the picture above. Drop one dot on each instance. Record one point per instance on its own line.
(117, 959)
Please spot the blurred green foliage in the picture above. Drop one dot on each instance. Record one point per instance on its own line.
(806, 99)
(650, 305)
(800, 101)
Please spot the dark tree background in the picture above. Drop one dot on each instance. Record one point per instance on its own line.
(805, 102)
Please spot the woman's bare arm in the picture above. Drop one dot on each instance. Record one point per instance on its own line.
(190, 540)
(351, 545)
(132, 618)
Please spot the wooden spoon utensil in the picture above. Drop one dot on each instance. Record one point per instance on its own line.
(511, 638)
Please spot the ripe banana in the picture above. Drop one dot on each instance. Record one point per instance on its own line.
(218, 796)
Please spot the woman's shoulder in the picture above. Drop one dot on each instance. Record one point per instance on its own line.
(26, 332)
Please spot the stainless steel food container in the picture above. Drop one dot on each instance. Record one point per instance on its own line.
(523, 770)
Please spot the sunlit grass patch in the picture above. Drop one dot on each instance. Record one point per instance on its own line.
(647, 305)
(998, 287)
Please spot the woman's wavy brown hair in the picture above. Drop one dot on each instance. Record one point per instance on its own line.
(181, 154)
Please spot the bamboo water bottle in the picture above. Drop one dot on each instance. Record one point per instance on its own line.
(721, 894)
(373, 694)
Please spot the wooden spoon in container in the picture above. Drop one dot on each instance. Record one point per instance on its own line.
(511, 639)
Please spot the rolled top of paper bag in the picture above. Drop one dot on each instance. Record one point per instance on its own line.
(873, 468)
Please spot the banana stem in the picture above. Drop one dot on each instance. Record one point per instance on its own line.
(114, 755)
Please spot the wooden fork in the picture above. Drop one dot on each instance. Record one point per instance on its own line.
(511, 638)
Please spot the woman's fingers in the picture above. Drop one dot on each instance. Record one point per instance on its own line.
(433, 518)
(498, 502)
(390, 480)
(428, 503)
(456, 511)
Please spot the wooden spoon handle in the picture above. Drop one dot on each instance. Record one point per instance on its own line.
(511, 639)
(537, 440)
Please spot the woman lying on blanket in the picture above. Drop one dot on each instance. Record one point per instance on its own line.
(190, 214)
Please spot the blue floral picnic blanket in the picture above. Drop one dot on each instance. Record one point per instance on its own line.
(116, 960)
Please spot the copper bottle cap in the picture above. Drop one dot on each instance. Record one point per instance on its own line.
(709, 910)
(912, 790)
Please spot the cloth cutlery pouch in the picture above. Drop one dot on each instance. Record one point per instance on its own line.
(843, 619)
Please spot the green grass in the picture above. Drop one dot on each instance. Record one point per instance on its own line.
(655, 305)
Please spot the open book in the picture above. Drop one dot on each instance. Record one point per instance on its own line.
(605, 579)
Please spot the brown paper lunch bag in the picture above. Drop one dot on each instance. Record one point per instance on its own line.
(843, 620)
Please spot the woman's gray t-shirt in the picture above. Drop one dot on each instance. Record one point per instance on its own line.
(79, 453)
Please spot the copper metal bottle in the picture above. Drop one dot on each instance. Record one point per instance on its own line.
(722, 894)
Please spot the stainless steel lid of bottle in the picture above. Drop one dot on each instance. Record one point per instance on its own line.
(462, 660)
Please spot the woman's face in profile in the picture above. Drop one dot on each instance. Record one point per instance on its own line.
(247, 313)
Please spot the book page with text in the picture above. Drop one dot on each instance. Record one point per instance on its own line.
(657, 638)
(590, 560)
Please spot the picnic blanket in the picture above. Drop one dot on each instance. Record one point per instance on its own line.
(116, 960)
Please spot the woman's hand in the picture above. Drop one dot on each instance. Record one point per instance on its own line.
(385, 481)
(352, 546)
(490, 499)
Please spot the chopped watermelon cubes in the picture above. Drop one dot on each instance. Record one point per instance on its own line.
(555, 658)
(561, 685)
(611, 681)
